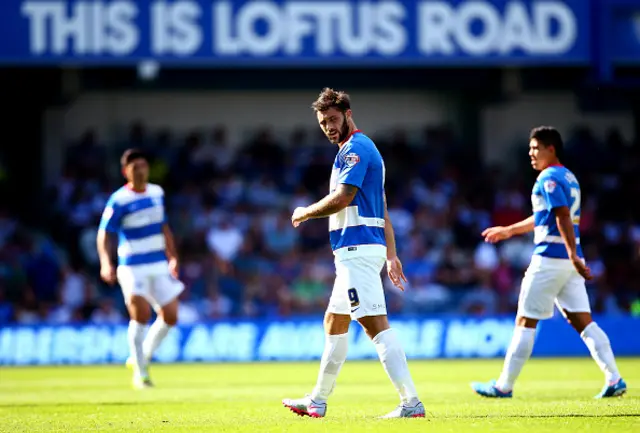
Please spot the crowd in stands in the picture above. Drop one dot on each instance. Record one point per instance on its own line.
(230, 206)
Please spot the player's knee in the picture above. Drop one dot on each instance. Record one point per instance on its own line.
(169, 313)
(170, 319)
(373, 325)
(139, 309)
(140, 315)
(526, 322)
(336, 324)
(578, 321)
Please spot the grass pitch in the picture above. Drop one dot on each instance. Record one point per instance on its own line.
(552, 395)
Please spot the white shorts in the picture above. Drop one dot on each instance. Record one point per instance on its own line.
(153, 282)
(358, 290)
(550, 280)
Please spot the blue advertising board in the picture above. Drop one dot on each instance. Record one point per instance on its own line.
(623, 32)
(295, 32)
(300, 340)
(616, 25)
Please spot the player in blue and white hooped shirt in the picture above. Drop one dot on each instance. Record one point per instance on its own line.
(557, 271)
(362, 240)
(147, 268)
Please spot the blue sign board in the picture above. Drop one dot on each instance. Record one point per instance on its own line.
(296, 32)
(299, 340)
(623, 32)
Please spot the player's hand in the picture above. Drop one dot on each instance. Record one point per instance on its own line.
(496, 234)
(582, 268)
(108, 273)
(396, 275)
(299, 216)
(174, 268)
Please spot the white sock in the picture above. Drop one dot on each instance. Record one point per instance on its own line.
(517, 355)
(600, 348)
(395, 364)
(334, 355)
(159, 329)
(136, 337)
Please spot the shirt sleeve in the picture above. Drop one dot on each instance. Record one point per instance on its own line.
(553, 193)
(353, 166)
(111, 216)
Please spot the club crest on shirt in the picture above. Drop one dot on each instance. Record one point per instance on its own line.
(549, 186)
(351, 159)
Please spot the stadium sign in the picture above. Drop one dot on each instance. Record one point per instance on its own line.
(622, 24)
(331, 32)
(298, 340)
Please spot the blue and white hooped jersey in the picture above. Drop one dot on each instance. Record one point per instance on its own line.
(358, 230)
(137, 218)
(555, 187)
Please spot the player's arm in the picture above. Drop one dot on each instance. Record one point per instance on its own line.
(170, 244)
(105, 245)
(109, 225)
(558, 202)
(350, 177)
(500, 233)
(394, 265)
(332, 203)
(520, 228)
(565, 226)
(389, 234)
(171, 251)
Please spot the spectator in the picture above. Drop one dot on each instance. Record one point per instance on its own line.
(107, 313)
(230, 205)
(225, 239)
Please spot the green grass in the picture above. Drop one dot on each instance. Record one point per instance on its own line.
(553, 395)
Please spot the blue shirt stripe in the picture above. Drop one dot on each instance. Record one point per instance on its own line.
(551, 250)
(143, 259)
(141, 232)
(357, 235)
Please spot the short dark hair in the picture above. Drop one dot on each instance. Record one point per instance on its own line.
(330, 98)
(131, 155)
(548, 136)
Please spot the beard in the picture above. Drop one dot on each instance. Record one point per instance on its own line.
(343, 132)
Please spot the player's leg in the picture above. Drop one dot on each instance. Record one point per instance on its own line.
(139, 313)
(336, 327)
(135, 289)
(394, 361)
(518, 353)
(391, 356)
(573, 302)
(166, 318)
(369, 308)
(537, 293)
(165, 294)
